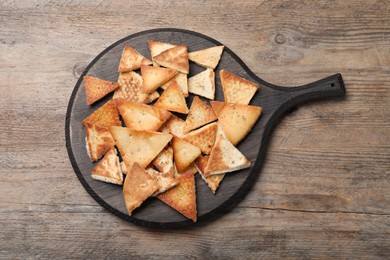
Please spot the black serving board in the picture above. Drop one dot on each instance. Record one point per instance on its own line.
(274, 100)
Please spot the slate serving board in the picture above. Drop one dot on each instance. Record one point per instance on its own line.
(274, 100)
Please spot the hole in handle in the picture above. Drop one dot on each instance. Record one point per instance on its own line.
(332, 85)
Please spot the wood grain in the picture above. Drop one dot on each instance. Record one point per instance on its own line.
(323, 191)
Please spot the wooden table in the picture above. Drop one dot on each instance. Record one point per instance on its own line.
(324, 190)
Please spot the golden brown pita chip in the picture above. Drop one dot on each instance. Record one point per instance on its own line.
(199, 115)
(181, 80)
(131, 60)
(224, 158)
(203, 84)
(154, 77)
(108, 169)
(139, 146)
(164, 181)
(236, 120)
(164, 160)
(105, 116)
(182, 197)
(175, 58)
(172, 99)
(236, 89)
(98, 141)
(184, 153)
(174, 126)
(141, 116)
(97, 88)
(131, 88)
(212, 181)
(138, 187)
(208, 58)
(203, 137)
(156, 48)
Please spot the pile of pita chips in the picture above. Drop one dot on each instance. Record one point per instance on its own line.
(160, 152)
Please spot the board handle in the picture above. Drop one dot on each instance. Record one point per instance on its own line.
(332, 86)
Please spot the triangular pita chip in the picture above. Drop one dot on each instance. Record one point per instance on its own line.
(236, 120)
(174, 125)
(105, 116)
(224, 158)
(98, 141)
(203, 137)
(212, 181)
(203, 84)
(158, 47)
(200, 114)
(208, 58)
(138, 146)
(236, 89)
(182, 197)
(97, 88)
(131, 88)
(184, 153)
(164, 181)
(154, 77)
(138, 187)
(131, 60)
(164, 160)
(108, 169)
(181, 80)
(141, 116)
(172, 99)
(175, 58)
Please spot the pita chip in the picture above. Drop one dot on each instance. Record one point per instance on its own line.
(175, 58)
(174, 126)
(97, 88)
(156, 48)
(203, 84)
(164, 160)
(138, 187)
(236, 120)
(131, 88)
(98, 141)
(164, 181)
(154, 77)
(105, 116)
(181, 80)
(123, 167)
(184, 153)
(212, 181)
(108, 169)
(182, 197)
(200, 114)
(139, 146)
(203, 137)
(208, 58)
(236, 89)
(172, 99)
(224, 158)
(141, 116)
(131, 60)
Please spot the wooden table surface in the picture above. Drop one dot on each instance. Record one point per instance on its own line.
(324, 189)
